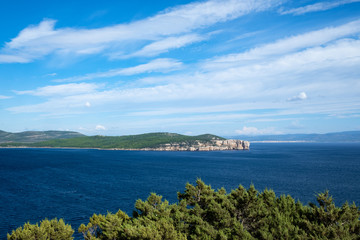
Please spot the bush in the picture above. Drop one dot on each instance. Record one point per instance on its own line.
(203, 213)
(48, 230)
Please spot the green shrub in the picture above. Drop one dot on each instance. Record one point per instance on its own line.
(204, 213)
(48, 230)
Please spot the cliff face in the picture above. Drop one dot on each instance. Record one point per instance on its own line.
(213, 145)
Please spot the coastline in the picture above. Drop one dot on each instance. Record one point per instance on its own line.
(120, 149)
(170, 150)
(274, 141)
(24, 147)
(213, 145)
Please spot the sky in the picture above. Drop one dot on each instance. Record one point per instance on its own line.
(227, 67)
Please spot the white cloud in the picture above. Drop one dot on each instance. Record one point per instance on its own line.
(301, 96)
(290, 70)
(157, 65)
(61, 90)
(51, 74)
(214, 108)
(320, 6)
(287, 45)
(100, 128)
(325, 71)
(87, 104)
(255, 82)
(295, 125)
(8, 58)
(255, 131)
(34, 32)
(40, 40)
(166, 44)
(4, 97)
(254, 85)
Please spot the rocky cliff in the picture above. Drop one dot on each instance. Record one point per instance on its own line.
(213, 145)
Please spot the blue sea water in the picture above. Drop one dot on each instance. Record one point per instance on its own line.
(75, 183)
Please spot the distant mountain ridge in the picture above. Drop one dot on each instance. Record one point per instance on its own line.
(36, 136)
(348, 136)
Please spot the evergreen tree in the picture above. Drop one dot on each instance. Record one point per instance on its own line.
(48, 230)
(204, 213)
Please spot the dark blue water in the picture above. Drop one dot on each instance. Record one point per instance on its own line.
(73, 184)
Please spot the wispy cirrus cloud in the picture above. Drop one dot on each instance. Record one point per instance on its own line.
(255, 131)
(170, 27)
(61, 90)
(316, 7)
(255, 85)
(164, 45)
(12, 58)
(288, 45)
(4, 97)
(158, 65)
(230, 90)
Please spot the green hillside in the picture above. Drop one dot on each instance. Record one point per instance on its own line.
(149, 140)
(36, 136)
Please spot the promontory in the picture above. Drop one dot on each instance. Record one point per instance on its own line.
(162, 141)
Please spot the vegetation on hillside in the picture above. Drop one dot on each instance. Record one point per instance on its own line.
(149, 140)
(203, 213)
(35, 136)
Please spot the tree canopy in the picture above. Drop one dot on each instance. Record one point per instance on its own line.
(205, 213)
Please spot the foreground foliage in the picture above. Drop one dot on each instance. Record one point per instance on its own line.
(48, 230)
(203, 213)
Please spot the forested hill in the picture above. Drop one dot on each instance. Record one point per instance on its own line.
(149, 140)
(36, 136)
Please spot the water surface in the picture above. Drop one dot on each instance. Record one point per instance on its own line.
(75, 183)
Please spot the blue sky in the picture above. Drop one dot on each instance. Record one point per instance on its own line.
(229, 67)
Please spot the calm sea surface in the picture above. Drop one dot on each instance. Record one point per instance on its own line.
(73, 184)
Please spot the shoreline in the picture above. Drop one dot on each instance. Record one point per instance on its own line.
(213, 145)
(275, 141)
(170, 150)
(122, 149)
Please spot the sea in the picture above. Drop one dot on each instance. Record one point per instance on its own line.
(73, 184)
